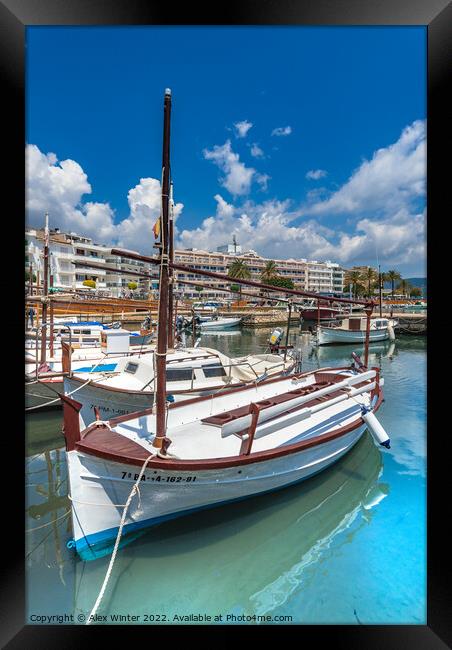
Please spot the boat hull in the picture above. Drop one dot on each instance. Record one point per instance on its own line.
(113, 403)
(221, 324)
(329, 335)
(38, 394)
(99, 489)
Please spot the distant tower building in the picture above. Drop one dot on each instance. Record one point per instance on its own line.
(230, 249)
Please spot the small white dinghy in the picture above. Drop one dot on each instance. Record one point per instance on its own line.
(219, 323)
(353, 330)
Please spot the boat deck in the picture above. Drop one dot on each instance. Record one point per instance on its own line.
(133, 438)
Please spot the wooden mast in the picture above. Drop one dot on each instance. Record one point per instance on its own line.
(171, 326)
(379, 289)
(368, 310)
(45, 290)
(51, 318)
(163, 325)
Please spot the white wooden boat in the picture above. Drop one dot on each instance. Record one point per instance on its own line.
(243, 442)
(303, 522)
(353, 330)
(44, 381)
(189, 372)
(137, 470)
(85, 333)
(218, 324)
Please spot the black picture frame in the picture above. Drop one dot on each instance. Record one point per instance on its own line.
(436, 15)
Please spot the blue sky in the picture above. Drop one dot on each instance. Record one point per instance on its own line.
(327, 158)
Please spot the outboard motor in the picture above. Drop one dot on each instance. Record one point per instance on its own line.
(180, 323)
(146, 324)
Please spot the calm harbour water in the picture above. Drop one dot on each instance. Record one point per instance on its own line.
(347, 546)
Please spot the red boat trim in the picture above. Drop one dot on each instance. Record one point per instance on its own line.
(139, 455)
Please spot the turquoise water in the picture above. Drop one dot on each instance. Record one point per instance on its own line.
(347, 546)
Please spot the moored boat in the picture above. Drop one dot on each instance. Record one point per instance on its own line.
(189, 371)
(137, 470)
(353, 330)
(239, 443)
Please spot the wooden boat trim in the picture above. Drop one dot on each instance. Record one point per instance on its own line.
(201, 398)
(241, 411)
(107, 453)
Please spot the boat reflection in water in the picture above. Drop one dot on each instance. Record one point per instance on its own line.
(245, 558)
(377, 351)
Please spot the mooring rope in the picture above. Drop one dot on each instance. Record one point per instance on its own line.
(118, 538)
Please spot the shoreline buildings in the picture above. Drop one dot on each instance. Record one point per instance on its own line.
(65, 248)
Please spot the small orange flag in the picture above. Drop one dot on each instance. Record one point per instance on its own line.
(156, 228)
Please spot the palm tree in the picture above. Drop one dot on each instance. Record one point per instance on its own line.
(353, 278)
(405, 287)
(392, 276)
(239, 271)
(370, 278)
(269, 271)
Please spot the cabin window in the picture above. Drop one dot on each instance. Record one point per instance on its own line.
(131, 368)
(86, 331)
(213, 370)
(77, 332)
(178, 374)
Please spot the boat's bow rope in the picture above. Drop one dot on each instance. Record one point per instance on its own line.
(118, 538)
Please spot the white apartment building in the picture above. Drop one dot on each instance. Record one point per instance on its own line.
(66, 248)
(325, 277)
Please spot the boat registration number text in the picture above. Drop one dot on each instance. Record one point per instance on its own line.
(164, 479)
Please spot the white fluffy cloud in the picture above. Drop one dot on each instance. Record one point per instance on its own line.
(238, 177)
(282, 130)
(242, 128)
(381, 199)
(263, 179)
(256, 151)
(315, 174)
(393, 178)
(58, 187)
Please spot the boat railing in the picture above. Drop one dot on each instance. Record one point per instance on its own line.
(225, 366)
(38, 333)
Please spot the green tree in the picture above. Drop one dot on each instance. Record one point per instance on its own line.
(27, 276)
(405, 287)
(370, 278)
(269, 272)
(240, 271)
(416, 292)
(354, 279)
(89, 283)
(132, 286)
(278, 281)
(392, 276)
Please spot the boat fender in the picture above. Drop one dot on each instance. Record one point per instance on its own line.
(391, 333)
(170, 398)
(70, 543)
(375, 428)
